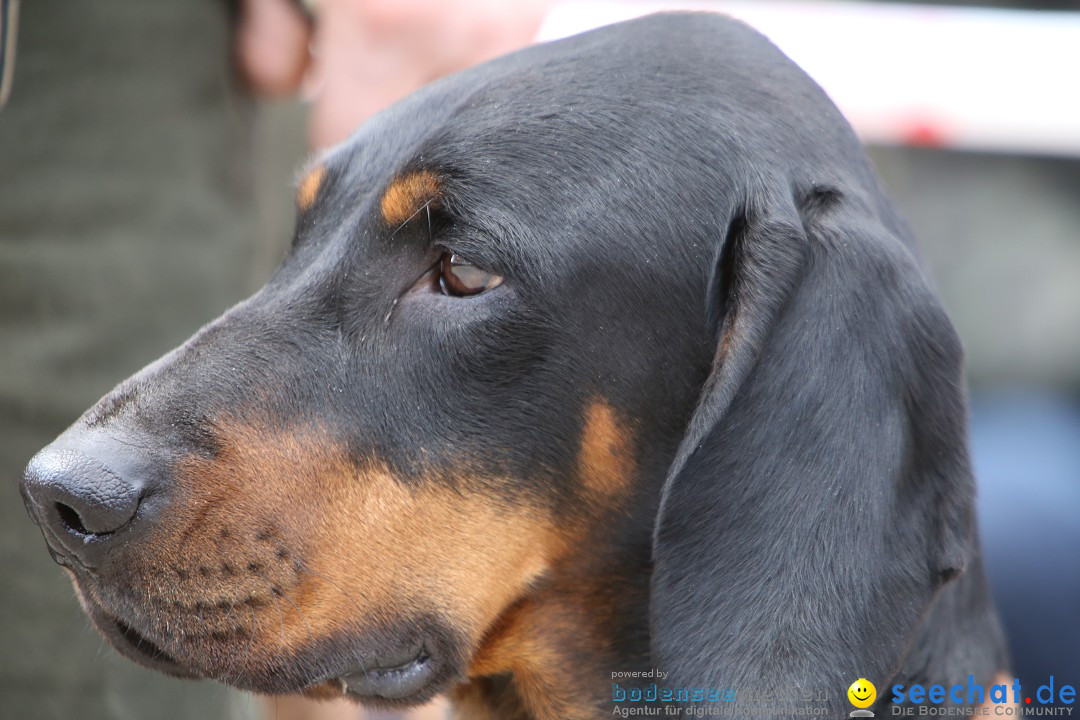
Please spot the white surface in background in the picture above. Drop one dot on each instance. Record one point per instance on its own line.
(1006, 80)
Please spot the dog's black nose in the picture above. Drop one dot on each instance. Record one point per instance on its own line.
(82, 500)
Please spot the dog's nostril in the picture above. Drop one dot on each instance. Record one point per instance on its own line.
(70, 517)
(82, 500)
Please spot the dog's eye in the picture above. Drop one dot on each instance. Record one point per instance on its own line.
(460, 278)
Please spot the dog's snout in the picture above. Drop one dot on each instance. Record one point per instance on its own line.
(82, 501)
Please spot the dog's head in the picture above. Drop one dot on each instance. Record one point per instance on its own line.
(625, 298)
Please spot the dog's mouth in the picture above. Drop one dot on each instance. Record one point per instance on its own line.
(399, 677)
(136, 646)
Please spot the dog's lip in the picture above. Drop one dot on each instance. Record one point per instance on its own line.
(129, 641)
(146, 651)
(394, 677)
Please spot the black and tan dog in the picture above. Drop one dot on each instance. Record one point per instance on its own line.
(607, 355)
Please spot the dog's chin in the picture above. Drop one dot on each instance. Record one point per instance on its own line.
(133, 645)
(399, 677)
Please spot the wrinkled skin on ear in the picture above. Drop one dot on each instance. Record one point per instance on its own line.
(817, 521)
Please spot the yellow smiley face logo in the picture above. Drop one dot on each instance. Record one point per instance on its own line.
(862, 693)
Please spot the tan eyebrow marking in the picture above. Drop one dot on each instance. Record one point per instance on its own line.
(407, 195)
(309, 187)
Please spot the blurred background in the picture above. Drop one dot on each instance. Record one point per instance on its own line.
(147, 155)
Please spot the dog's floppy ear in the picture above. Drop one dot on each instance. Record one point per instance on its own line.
(822, 494)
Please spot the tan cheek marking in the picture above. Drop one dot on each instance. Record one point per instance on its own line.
(605, 460)
(309, 188)
(400, 547)
(374, 549)
(407, 195)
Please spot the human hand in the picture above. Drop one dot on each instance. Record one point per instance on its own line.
(359, 56)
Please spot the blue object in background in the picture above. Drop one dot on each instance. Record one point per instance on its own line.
(1026, 452)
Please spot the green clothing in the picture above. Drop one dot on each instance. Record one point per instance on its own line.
(127, 220)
